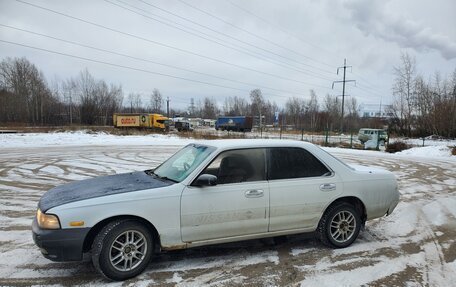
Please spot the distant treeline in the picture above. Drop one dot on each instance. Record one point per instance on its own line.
(420, 107)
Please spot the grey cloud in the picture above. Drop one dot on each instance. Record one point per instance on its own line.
(371, 18)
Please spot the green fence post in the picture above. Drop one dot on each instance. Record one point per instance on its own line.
(326, 138)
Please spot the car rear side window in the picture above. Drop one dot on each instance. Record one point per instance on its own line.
(238, 166)
(294, 163)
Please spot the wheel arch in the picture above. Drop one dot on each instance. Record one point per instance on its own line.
(90, 237)
(354, 201)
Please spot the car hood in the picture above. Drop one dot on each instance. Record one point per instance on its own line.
(99, 186)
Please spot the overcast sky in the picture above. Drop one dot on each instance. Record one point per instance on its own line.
(219, 48)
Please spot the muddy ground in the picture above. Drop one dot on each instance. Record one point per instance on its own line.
(415, 246)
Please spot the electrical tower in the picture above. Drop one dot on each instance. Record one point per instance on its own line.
(343, 90)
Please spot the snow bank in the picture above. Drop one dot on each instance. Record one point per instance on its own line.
(81, 138)
(427, 151)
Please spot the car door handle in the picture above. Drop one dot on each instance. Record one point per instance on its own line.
(328, 187)
(254, 193)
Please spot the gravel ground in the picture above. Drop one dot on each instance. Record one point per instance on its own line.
(415, 246)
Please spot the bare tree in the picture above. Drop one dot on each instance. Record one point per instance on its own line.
(294, 109)
(257, 105)
(209, 109)
(332, 109)
(352, 119)
(32, 97)
(134, 102)
(156, 101)
(236, 106)
(404, 93)
(312, 109)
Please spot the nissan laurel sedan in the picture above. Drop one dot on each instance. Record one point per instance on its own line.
(210, 192)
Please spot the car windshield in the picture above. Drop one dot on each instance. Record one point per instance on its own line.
(182, 163)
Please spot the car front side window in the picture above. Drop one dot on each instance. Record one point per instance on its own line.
(236, 166)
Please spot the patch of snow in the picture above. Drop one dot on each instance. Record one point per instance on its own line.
(405, 218)
(298, 251)
(434, 213)
(81, 138)
(439, 233)
(176, 278)
(427, 151)
(363, 275)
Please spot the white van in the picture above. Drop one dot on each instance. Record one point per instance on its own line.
(366, 134)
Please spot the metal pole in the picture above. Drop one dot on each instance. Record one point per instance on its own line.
(343, 98)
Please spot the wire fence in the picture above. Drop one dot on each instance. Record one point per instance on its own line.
(348, 141)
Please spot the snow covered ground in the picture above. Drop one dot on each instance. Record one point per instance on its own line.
(414, 246)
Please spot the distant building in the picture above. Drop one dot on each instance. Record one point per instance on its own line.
(375, 111)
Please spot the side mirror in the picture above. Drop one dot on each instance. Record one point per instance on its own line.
(205, 180)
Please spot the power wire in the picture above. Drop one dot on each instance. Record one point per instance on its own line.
(242, 50)
(165, 45)
(131, 68)
(146, 60)
(231, 37)
(280, 29)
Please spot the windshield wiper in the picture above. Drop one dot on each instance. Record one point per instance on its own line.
(166, 178)
(151, 172)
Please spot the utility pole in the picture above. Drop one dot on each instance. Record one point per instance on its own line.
(71, 113)
(167, 107)
(343, 90)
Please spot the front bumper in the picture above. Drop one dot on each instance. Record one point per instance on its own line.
(60, 244)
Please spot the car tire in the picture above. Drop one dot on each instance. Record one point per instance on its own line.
(339, 225)
(122, 249)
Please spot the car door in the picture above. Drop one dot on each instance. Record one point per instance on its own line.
(300, 187)
(239, 203)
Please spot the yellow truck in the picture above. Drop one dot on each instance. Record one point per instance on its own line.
(151, 121)
(158, 121)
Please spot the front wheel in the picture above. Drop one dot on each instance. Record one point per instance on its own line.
(339, 225)
(122, 249)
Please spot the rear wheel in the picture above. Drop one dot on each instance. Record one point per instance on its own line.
(339, 225)
(122, 249)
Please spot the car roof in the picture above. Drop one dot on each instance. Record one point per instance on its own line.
(252, 143)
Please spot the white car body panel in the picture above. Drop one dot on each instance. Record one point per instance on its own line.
(224, 210)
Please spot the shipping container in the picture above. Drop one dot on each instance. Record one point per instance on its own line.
(238, 123)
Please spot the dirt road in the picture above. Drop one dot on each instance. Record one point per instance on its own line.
(415, 246)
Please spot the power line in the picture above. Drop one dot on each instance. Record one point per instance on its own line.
(132, 68)
(374, 87)
(165, 45)
(257, 36)
(148, 61)
(282, 30)
(241, 50)
(369, 91)
(286, 32)
(231, 37)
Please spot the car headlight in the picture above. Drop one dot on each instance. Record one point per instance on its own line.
(47, 221)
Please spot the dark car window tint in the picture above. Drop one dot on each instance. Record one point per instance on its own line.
(294, 163)
(238, 166)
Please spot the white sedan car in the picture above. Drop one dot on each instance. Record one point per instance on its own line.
(211, 192)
